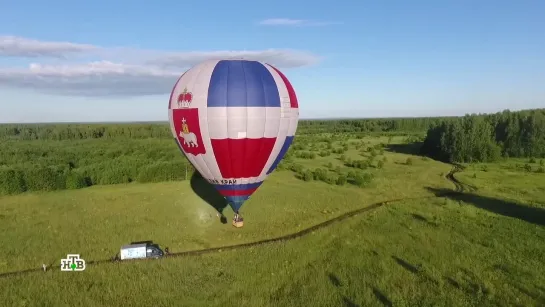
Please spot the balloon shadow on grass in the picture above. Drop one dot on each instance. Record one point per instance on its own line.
(209, 194)
(506, 208)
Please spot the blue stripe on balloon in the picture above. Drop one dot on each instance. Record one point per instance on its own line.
(245, 186)
(283, 150)
(238, 83)
(236, 201)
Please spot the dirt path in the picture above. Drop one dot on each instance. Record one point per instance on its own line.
(459, 186)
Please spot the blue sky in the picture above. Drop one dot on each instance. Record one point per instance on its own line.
(118, 60)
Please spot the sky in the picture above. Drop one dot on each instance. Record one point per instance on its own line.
(99, 61)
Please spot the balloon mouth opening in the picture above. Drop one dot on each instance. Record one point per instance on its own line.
(235, 206)
(236, 202)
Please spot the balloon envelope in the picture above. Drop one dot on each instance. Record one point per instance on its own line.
(234, 120)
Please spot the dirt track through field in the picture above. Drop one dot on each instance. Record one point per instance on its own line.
(459, 187)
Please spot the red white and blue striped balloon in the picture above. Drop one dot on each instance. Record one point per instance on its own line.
(234, 120)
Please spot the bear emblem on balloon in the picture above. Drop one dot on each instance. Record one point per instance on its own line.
(189, 131)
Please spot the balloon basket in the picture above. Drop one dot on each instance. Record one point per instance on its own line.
(238, 224)
(238, 221)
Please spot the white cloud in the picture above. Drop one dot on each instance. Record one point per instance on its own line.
(281, 22)
(91, 79)
(143, 72)
(277, 57)
(25, 47)
(294, 22)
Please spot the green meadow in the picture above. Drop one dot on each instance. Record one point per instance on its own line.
(475, 237)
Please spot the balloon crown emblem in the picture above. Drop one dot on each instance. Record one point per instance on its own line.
(185, 99)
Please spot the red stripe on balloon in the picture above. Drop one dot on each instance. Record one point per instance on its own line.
(291, 92)
(237, 192)
(242, 158)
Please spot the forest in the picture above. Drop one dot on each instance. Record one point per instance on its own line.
(487, 138)
(44, 157)
(58, 132)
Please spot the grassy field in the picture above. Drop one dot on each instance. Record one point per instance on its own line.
(482, 247)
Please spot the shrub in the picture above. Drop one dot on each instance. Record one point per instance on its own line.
(320, 174)
(12, 182)
(76, 180)
(341, 180)
(527, 167)
(409, 161)
(360, 164)
(114, 176)
(324, 153)
(330, 179)
(165, 171)
(308, 175)
(298, 168)
(44, 179)
(362, 180)
(306, 155)
(380, 164)
(297, 147)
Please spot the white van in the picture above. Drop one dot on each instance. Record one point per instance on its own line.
(140, 251)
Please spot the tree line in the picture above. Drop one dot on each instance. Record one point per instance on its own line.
(70, 156)
(506, 126)
(487, 138)
(59, 132)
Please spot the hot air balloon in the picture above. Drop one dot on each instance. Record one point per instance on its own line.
(234, 120)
